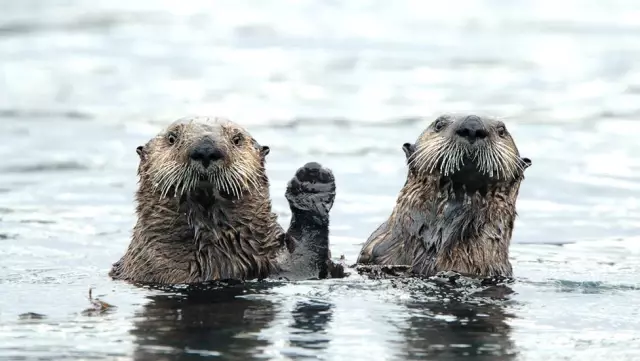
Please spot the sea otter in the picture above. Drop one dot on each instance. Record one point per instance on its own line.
(457, 208)
(204, 211)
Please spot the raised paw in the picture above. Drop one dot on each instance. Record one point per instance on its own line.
(312, 189)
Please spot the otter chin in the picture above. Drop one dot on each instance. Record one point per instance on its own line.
(457, 208)
(204, 211)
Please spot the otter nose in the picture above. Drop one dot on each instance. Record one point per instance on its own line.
(206, 153)
(472, 129)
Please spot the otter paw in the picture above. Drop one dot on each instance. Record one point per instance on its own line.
(313, 188)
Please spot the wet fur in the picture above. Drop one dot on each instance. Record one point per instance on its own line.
(195, 226)
(448, 218)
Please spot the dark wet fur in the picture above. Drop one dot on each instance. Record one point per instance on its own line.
(206, 233)
(460, 221)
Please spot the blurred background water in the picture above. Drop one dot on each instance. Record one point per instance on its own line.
(82, 83)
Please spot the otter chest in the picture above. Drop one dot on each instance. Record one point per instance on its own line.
(222, 250)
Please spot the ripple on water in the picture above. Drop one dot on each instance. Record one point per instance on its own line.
(46, 167)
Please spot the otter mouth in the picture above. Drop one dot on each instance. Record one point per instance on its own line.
(472, 172)
(226, 182)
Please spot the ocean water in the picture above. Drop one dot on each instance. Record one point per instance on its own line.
(83, 83)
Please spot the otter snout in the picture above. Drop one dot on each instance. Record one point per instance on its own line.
(206, 152)
(472, 129)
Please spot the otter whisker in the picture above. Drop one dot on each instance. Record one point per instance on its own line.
(420, 154)
(234, 184)
(478, 157)
(487, 162)
(444, 167)
(427, 156)
(169, 178)
(175, 179)
(495, 164)
(181, 184)
(454, 159)
(228, 178)
(254, 184)
(438, 158)
(162, 177)
(235, 181)
(434, 147)
(507, 158)
(239, 183)
(249, 182)
(247, 179)
(193, 179)
(445, 159)
(447, 163)
(484, 162)
(183, 180)
(220, 184)
(229, 184)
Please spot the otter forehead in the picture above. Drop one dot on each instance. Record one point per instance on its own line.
(488, 121)
(204, 124)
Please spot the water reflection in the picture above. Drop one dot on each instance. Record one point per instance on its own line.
(202, 323)
(455, 324)
(196, 324)
(310, 321)
(437, 321)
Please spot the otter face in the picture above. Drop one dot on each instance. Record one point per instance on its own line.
(201, 152)
(468, 150)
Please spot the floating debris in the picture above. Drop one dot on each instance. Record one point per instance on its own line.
(98, 306)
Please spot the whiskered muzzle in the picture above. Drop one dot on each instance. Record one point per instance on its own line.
(175, 179)
(448, 157)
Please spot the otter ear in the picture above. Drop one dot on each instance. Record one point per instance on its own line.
(141, 153)
(264, 150)
(408, 149)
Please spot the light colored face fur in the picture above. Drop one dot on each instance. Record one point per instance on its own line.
(197, 152)
(445, 149)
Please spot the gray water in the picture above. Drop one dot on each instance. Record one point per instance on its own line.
(82, 83)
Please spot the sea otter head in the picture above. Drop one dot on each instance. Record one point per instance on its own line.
(468, 151)
(203, 153)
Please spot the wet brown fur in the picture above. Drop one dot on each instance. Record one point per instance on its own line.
(440, 223)
(203, 234)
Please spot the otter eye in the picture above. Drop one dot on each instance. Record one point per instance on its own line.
(502, 131)
(171, 137)
(440, 124)
(237, 139)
